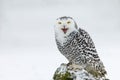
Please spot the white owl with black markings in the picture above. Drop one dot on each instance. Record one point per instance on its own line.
(77, 46)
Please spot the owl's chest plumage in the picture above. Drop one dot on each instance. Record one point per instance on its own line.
(70, 48)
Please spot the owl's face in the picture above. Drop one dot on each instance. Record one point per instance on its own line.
(65, 25)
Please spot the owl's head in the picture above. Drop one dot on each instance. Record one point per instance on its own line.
(65, 25)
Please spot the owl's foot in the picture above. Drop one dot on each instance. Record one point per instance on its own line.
(74, 67)
(70, 63)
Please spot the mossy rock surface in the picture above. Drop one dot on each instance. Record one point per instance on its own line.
(65, 76)
(64, 73)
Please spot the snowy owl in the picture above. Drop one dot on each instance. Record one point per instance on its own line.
(77, 46)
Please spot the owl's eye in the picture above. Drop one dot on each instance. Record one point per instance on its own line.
(59, 22)
(68, 22)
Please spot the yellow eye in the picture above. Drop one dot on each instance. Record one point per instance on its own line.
(68, 22)
(59, 22)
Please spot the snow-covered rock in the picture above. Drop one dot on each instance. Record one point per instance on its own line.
(65, 73)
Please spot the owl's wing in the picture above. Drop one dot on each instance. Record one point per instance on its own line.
(87, 46)
(85, 43)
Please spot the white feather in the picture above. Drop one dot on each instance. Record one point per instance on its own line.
(59, 34)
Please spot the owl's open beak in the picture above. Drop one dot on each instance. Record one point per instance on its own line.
(64, 30)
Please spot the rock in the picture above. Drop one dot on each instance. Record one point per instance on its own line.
(65, 73)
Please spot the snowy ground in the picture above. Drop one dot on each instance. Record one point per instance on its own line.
(27, 46)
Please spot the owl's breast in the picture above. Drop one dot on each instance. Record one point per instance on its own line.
(70, 49)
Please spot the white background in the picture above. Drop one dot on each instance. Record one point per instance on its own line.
(27, 46)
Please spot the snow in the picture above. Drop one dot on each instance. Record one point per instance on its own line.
(27, 45)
